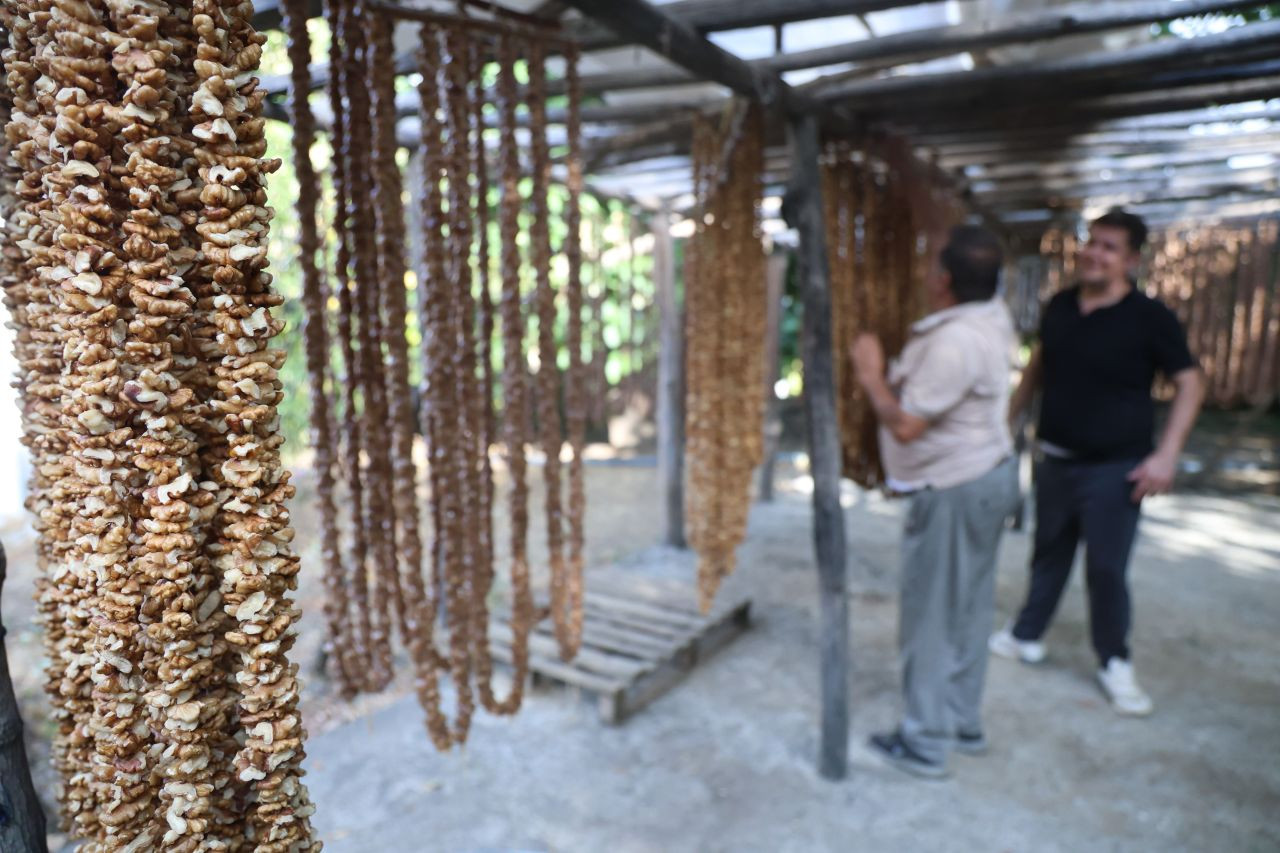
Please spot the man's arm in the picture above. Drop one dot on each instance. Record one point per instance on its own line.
(1155, 474)
(868, 363)
(1026, 390)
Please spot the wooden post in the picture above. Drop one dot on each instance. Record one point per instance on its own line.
(775, 275)
(805, 212)
(670, 404)
(21, 819)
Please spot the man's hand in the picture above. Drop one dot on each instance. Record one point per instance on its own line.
(1154, 476)
(868, 356)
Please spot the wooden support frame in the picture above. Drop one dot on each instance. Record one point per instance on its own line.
(1046, 150)
(932, 42)
(493, 26)
(923, 91)
(646, 25)
(671, 383)
(1094, 110)
(985, 138)
(805, 204)
(703, 16)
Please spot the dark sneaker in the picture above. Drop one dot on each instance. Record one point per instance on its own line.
(893, 749)
(970, 743)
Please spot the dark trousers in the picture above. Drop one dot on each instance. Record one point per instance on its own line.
(1089, 501)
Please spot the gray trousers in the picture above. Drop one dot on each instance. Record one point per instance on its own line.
(949, 551)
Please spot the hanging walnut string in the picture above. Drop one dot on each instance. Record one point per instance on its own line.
(480, 174)
(316, 341)
(364, 282)
(440, 340)
(445, 590)
(150, 394)
(725, 308)
(454, 384)
(547, 383)
(569, 624)
(599, 346)
(178, 593)
(880, 209)
(355, 580)
(39, 353)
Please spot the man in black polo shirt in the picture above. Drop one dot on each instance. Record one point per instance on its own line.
(1101, 344)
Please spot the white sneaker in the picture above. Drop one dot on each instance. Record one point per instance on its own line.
(1004, 644)
(1122, 689)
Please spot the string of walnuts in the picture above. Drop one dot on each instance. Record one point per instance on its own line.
(885, 222)
(134, 198)
(725, 317)
(388, 579)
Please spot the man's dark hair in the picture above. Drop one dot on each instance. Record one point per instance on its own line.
(973, 257)
(1130, 222)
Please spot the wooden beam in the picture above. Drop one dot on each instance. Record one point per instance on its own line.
(1260, 183)
(804, 203)
(1115, 165)
(932, 42)
(1057, 146)
(1196, 211)
(679, 42)
(1207, 212)
(671, 384)
(267, 14)
(987, 83)
(1084, 114)
(1211, 172)
(1031, 159)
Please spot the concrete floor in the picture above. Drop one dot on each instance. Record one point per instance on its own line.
(726, 761)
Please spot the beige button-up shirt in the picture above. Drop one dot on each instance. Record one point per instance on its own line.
(953, 373)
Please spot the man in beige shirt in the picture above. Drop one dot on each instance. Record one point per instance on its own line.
(945, 442)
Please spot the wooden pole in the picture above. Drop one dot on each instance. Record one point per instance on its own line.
(775, 276)
(670, 404)
(22, 824)
(805, 209)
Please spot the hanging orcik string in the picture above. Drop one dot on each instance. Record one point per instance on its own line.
(136, 191)
(885, 224)
(390, 579)
(725, 319)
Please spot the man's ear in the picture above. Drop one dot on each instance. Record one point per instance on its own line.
(944, 280)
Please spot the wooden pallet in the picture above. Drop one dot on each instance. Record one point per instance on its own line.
(640, 637)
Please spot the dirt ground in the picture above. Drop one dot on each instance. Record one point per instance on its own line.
(725, 761)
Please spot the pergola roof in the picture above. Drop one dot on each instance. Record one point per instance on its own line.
(1034, 114)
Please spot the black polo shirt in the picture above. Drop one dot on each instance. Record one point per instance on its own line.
(1098, 370)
